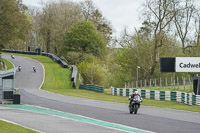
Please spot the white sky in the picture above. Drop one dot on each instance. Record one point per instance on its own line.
(121, 13)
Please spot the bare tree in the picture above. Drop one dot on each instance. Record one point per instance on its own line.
(92, 13)
(197, 28)
(54, 20)
(160, 14)
(184, 11)
(87, 8)
(34, 40)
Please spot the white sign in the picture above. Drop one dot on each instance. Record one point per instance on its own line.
(187, 64)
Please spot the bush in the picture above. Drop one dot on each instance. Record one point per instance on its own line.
(92, 72)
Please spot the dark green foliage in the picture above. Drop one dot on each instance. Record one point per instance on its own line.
(85, 38)
(14, 23)
(91, 71)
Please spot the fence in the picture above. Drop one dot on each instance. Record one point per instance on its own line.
(182, 97)
(91, 87)
(56, 59)
(161, 82)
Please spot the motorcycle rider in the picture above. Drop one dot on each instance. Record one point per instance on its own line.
(131, 97)
(19, 68)
(12, 56)
(34, 69)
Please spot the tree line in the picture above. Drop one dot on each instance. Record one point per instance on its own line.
(80, 34)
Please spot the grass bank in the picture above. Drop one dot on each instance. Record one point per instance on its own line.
(8, 64)
(12, 128)
(57, 80)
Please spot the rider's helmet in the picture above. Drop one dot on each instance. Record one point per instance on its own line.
(136, 93)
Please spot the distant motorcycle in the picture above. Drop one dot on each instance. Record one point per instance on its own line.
(12, 56)
(134, 105)
(34, 69)
(19, 68)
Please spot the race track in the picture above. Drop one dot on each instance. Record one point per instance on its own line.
(148, 118)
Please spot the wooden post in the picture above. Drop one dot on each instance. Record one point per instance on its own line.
(136, 84)
(190, 83)
(132, 85)
(182, 80)
(150, 83)
(178, 82)
(172, 82)
(189, 79)
(160, 82)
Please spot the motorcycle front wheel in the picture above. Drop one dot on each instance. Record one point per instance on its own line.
(136, 109)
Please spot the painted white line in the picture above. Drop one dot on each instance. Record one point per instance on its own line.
(43, 74)
(12, 63)
(21, 125)
(84, 117)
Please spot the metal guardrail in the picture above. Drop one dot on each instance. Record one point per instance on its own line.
(91, 87)
(20, 52)
(54, 57)
(74, 75)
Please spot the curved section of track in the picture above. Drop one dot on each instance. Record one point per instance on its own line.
(148, 118)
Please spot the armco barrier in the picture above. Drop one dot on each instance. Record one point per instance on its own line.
(186, 98)
(74, 75)
(19, 52)
(54, 57)
(91, 87)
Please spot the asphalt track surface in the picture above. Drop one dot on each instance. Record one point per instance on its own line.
(148, 118)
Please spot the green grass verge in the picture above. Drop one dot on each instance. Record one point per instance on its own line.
(12, 128)
(187, 88)
(56, 77)
(57, 80)
(8, 64)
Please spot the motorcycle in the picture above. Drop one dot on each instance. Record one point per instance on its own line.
(134, 105)
(12, 56)
(34, 69)
(19, 68)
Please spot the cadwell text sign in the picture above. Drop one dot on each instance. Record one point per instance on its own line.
(180, 64)
(187, 64)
